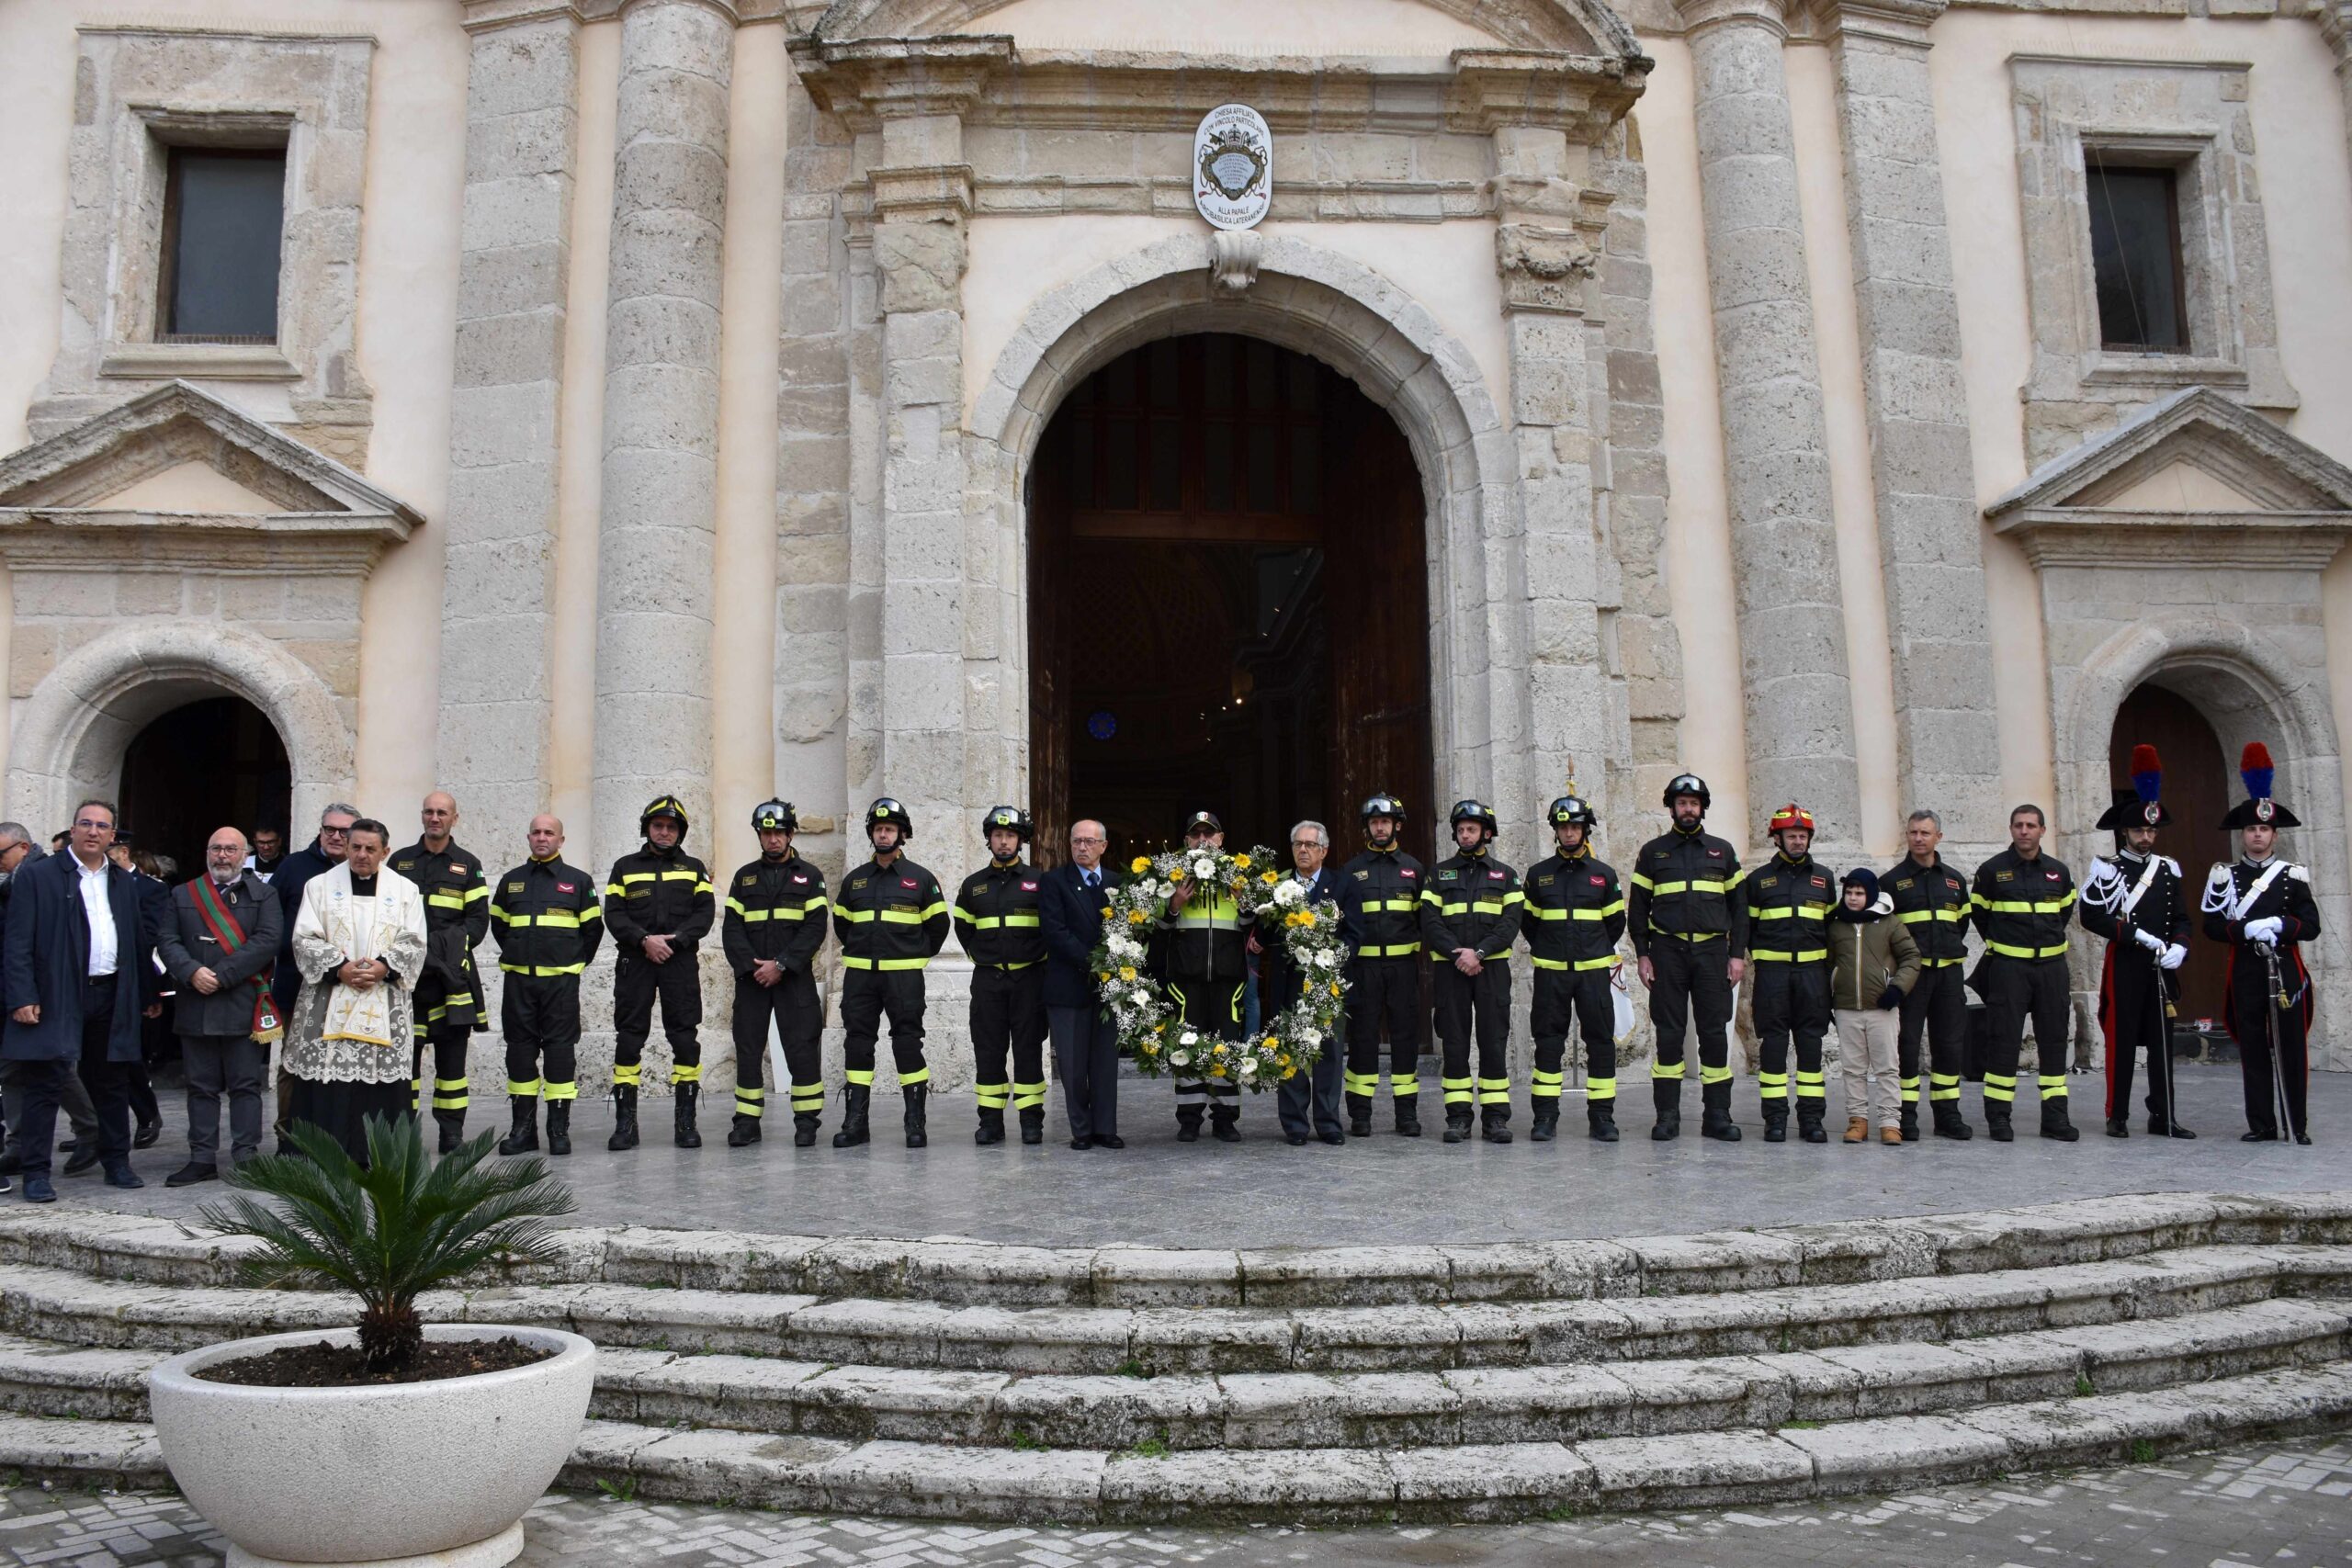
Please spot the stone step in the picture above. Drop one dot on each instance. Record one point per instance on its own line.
(958, 1273)
(71, 1308)
(814, 1474)
(1368, 1410)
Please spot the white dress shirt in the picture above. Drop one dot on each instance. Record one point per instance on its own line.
(103, 956)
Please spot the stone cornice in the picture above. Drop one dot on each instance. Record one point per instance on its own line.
(488, 16)
(866, 81)
(1902, 22)
(927, 193)
(2251, 540)
(283, 544)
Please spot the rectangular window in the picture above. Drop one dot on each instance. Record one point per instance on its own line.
(223, 211)
(2135, 258)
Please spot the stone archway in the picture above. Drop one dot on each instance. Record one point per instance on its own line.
(72, 732)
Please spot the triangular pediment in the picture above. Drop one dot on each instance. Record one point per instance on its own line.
(180, 451)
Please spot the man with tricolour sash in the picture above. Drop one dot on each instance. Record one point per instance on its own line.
(219, 947)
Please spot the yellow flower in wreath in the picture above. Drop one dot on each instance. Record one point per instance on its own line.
(1334, 988)
(1126, 972)
(1241, 863)
(1269, 877)
(1140, 865)
(1281, 1059)
(1137, 917)
(1271, 1042)
(1217, 1071)
(1222, 1050)
(1290, 1073)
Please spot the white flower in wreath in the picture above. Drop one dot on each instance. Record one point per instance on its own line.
(1248, 1068)
(1288, 893)
(1204, 868)
(1327, 959)
(1310, 1038)
(1178, 1058)
(1188, 1038)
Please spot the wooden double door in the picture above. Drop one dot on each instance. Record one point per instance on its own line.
(1229, 602)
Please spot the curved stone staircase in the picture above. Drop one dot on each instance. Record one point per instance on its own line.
(977, 1381)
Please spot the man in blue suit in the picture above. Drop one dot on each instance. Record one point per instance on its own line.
(1309, 1102)
(1070, 907)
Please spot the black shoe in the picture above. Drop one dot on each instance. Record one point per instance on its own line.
(147, 1135)
(67, 1145)
(1494, 1130)
(2258, 1137)
(1188, 1131)
(38, 1190)
(2304, 1139)
(1541, 1128)
(1081, 1143)
(682, 1130)
(1718, 1125)
(1997, 1127)
(804, 1131)
(1668, 1128)
(1600, 1125)
(523, 1138)
(1223, 1129)
(558, 1127)
(191, 1173)
(1295, 1139)
(1776, 1126)
(84, 1159)
(624, 1118)
(990, 1130)
(1333, 1136)
(1666, 1095)
(745, 1129)
(1032, 1126)
(453, 1129)
(859, 1102)
(1408, 1124)
(2117, 1127)
(1809, 1125)
(1949, 1123)
(124, 1177)
(1359, 1126)
(1109, 1141)
(916, 1120)
(1457, 1128)
(2163, 1129)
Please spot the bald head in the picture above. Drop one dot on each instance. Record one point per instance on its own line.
(546, 834)
(224, 855)
(439, 815)
(1087, 841)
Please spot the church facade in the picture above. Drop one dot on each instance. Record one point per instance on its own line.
(1877, 404)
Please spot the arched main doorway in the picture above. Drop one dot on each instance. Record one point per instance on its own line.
(2197, 792)
(211, 762)
(1228, 599)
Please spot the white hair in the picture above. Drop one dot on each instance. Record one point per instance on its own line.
(1322, 834)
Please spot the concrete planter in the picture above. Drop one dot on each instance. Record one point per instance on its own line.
(428, 1472)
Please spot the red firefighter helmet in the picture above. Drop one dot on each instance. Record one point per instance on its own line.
(1790, 815)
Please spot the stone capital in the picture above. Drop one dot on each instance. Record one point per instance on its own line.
(725, 8)
(1774, 15)
(869, 81)
(922, 193)
(1544, 267)
(1902, 22)
(487, 15)
(1579, 94)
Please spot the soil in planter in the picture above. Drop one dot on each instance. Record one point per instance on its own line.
(328, 1365)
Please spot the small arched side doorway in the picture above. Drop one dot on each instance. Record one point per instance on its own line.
(1229, 600)
(212, 762)
(2196, 790)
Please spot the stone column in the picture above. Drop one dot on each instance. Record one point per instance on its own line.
(1792, 633)
(1930, 534)
(498, 602)
(2336, 26)
(654, 558)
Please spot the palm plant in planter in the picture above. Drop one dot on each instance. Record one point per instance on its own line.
(393, 1229)
(258, 1460)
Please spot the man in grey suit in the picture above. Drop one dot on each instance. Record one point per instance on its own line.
(218, 945)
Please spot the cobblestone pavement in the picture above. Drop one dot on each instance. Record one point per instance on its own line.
(1263, 1192)
(2274, 1504)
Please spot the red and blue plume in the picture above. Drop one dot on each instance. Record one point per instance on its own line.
(2147, 773)
(2254, 767)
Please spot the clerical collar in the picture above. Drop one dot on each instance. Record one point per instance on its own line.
(363, 886)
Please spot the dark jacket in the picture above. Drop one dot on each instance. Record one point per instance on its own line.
(1575, 913)
(2161, 912)
(889, 916)
(1473, 901)
(186, 943)
(1686, 884)
(2023, 906)
(547, 921)
(293, 873)
(776, 908)
(658, 893)
(34, 854)
(1787, 903)
(996, 916)
(47, 954)
(457, 918)
(1867, 955)
(1383, 891)
(1278, 983)
(1934, 903)
(2289, 899)
(1071, 917)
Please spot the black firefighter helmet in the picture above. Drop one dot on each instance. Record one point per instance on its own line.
(1574, 808)
(1382, 804)
(889, 810)
(1690, 784)
(775, 817)
(1472, 811)
(1010, 817)
(666, 805)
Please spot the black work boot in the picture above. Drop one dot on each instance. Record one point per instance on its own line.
(558, 1127)
(857, 1098)
(1224, 1118)
(1033, 1125)
(624, 1117)
(804, 1129)
(1809, 1126)
(1359, 1109)
(742, 1132)
(1543, 1120)
(917, 1127)
(1910, 1121)
(1776, 1121)
(1714, 1113)
(1996, 1121)
(682, 1111)
(452, 1124)
(524, 1136)
(1601, 1121)
(2053, 1120)
(991, 1127)
(1408, 1117)
(1666, 1095)
(1494, 1123)
(1949, 1121)
(1188, 1123)
(1457, 1124)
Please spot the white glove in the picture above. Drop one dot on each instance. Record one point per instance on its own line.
(2265, 930)
(2174, 956)
(2149, 940)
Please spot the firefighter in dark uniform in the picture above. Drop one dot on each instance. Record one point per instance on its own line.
(2022, 901)
(1576, 913)
(658, 905)
(2137, 903)
(775, 924)
(1689, 917)
(1383, 886)
(1202, 951)
(997, 921)
(1470, 914)
(549, 923)
(1931, 899)
(891, 919)
(448, 993)
(1788, 901)
(2262, 907)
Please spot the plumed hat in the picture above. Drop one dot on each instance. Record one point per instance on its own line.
(2259, 806)
(2143, 809)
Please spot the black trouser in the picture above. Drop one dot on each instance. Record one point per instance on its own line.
(36, 1107)
(2015, 990)
(867, 995)
(1308, 1100)
(1692, 977)
(450, 1043)
(1475, 1007)
(1009, 1018)
(1383, 994)
(800, 1015)
(217, 1064)
(2257, 1038)
(1211, 1009)
(1581, 996)
(1790, 1000)
(2131, 1015)
(1936, 1005)
(73, 1099)
(637, 980)
(539, 1015)
(1086, 1058)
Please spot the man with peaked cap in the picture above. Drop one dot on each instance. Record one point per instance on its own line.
(997, 921)
(1202, 947)
(774, 926)
(2135, 900)
(658, 907)
(892, 920)
(2262, 907)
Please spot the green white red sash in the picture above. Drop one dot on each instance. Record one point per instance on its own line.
(231, 934)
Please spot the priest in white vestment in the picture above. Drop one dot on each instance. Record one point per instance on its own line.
(360, 942)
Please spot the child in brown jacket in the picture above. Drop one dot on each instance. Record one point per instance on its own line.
(1873, 963)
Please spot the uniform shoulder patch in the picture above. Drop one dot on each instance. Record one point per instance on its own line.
(748, 878)
(1545, 880)
(2171, 863)
(403, 865)
(2300, 873)
(1367, 875)
(1904, 886)
(517, 887)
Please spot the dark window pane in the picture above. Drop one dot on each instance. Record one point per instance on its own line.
(1304, 381)
(2135, 258)
(1216, 467)
(222, 214)
(1081, 462)
(1167, 465)
(1119, 465)
(1119, 383)
(1163, 374)
(1216, 372)
(1306, 468)
(1264, 495)
(1261, 374)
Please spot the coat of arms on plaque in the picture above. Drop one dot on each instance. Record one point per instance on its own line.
(1233, 167)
